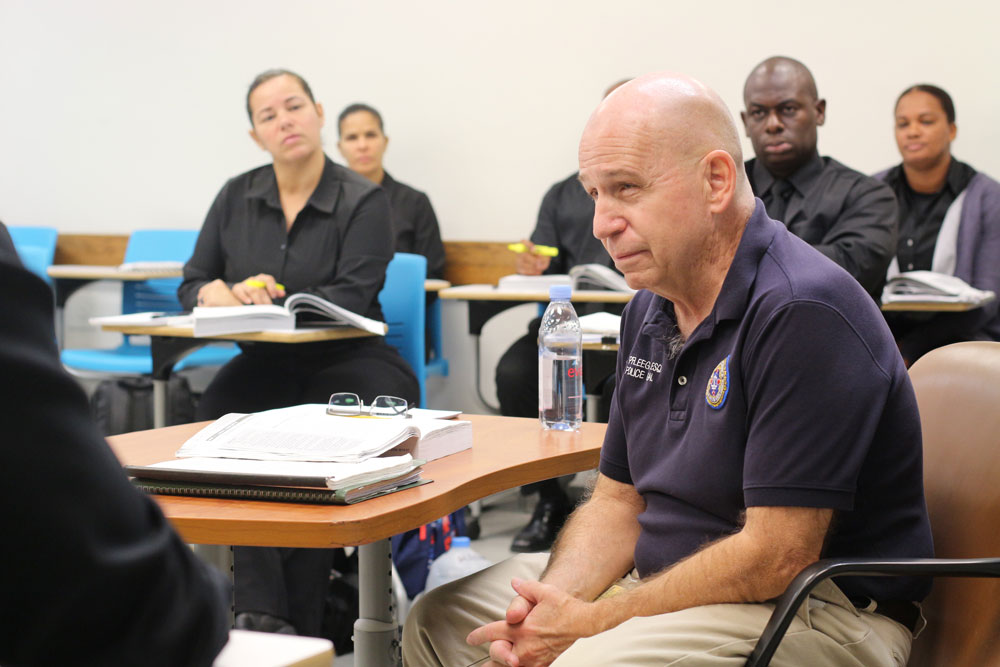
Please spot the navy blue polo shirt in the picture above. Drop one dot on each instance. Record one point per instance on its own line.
(790, 393)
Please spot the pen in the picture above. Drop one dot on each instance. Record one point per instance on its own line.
(250, 282)
(546, 250)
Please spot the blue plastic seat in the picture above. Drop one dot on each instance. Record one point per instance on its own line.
(36, 246)
(436, 363)
(160, 294)
(404, 308)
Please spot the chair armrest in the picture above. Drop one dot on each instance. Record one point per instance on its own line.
(797, 591)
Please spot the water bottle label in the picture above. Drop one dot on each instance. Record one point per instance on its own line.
(545, 382)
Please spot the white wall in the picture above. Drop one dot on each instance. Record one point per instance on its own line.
(117, 114)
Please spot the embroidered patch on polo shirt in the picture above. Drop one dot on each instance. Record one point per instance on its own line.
(718, 385)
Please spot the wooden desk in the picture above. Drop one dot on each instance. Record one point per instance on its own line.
(507, 452)
(169, 344)
(68, 278)
(435, 285)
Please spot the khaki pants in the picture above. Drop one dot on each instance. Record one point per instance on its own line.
(828, 630)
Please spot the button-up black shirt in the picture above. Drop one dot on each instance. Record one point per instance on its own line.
(848, 216)
(921, 215)
(338, 246)
(415, 224)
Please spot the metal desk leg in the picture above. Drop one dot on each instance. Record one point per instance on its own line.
(159, 403)
(221, 557)
(376, 636)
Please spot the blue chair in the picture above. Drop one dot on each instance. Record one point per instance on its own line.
(36, 246)
(404, 308)
(160, 294)
(436, 364)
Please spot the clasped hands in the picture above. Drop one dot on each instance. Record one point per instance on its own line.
(540, 624)
(260, 289)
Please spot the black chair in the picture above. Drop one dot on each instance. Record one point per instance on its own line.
(958, 391)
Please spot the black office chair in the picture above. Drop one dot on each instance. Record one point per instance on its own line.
(958, 391)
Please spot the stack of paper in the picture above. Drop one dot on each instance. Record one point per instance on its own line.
(600, 327)
(930, 287)
(292, 453)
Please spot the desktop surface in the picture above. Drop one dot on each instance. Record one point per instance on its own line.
(506, 452)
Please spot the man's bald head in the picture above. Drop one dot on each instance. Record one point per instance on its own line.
(782, 113)
(784, 68)
(662, 158)
(682, 114)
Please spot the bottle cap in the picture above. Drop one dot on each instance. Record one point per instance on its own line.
(561, 292)
(460, 541)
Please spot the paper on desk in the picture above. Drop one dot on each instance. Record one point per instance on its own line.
(307, 433)
(601, 323)
(333, 475)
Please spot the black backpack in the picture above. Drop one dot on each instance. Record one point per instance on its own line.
(125, 404)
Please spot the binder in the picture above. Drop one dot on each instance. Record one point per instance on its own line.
(283, 494)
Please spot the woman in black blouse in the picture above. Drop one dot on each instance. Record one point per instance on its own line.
(363, 143)
(309, 225)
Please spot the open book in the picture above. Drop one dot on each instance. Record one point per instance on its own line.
(598, 276)
(581, 277)
(914, 287)
(303, 307)
(279, 480)
(307, 433)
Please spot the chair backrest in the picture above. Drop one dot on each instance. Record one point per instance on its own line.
(156, 245)
(958, 391)
(36, 246)
(404, 308)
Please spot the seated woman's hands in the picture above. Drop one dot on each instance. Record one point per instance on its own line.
(261, 288)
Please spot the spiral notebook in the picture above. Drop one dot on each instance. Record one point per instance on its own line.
(282, 494)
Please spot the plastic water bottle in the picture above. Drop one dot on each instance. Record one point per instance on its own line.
(560, 363)
(457, 562)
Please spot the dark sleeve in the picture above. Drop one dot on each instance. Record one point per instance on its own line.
(92, 572)
(428, 237)
(367, 247)
(207, 261)
(796, 455)
(863, 238)
(547, 229)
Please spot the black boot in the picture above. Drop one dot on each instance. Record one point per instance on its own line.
(549, 516)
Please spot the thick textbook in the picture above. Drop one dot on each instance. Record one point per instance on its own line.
(301, 308)
(946, 292)
(307, 433)
(581, 277)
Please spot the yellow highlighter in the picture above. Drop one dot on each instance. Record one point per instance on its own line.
(545, 250)
(249, 282)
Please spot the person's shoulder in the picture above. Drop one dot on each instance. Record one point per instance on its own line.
(836, 174)
(255, 178)
(404, 190)
(354, 185)
(792, 270)
(569, 186)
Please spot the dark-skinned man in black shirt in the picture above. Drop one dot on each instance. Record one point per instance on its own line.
(849, 217)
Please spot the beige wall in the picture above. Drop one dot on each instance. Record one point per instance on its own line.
(117, 114)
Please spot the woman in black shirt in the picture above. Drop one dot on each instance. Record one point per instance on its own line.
(308, 225)
(363, 143)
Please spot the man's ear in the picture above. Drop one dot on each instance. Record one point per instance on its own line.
(720, 180)
(820, 112)
(743, 117)
(256, 139)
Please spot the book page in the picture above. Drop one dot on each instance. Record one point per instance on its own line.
(299, 433)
